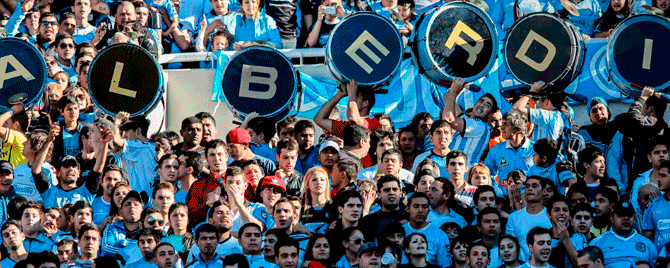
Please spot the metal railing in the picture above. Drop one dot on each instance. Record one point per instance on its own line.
(293, 54)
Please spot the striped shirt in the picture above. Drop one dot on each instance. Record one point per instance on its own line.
(474, 139)
(547, 124)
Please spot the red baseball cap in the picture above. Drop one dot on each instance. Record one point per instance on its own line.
(238, 135)
(273, 181)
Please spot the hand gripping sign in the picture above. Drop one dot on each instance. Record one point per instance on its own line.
(22, 71)
(262, 80)
(365, 47)
(125, 77)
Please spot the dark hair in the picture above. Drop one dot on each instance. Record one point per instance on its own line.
(530, 237)
(188, 121)
(288, 144)
(79, 205)
(487, 211)
(514, 239)
(405, 2)
(380, 116)
(277, 232)
(65, 100)
(448, 188)
(587, 156)
(343, 197)
(88, 227)
(206, 228)
(581, 207)
(659, 105)
(234, 171)
(148, 211)
(348, 232)
(48, 14)
(594, 253)
(421, 173)
(557, 198)
(609, 194)
(393, 151)
(33, 204)
(387, 178)
(456, 154)
(309, 253)
(216, 143)
(8, 223)
(367, 94)
(290, 120)
(407, 240)
(483, 189)
(415, 196)
(652, 143)
(157, 235)
(65, 15)
(166, 244)
(354, 134)
(578, 187)
(106, 262)
(47, 257)
(263, 125)
(349, 167)
(70, 241)
(477, 244)
(302, 125)
(546, 147)
(194, 160)
(417, 119)
(377, 136)
(286, 242)
(248, 225)
(14, 208)
(204, 115)
(438, 124)
(235, 259)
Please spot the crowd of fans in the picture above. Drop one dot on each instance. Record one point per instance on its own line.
(469, 187)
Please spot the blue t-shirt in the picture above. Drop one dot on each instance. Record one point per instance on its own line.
(657, 219)
(438, 243)
(57, 197)
(503, 159)
(100, 210)
(71, 142)
(624, 252)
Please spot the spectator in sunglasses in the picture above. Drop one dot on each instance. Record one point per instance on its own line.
(352, 241)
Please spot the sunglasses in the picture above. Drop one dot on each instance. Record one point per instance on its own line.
(153, 221)
(47, 23)
(66, 45)
(81, 96)
(358, 241)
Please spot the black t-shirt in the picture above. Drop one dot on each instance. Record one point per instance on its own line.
(373, 224)
(284, 14)
(327, 213)
(324, 33)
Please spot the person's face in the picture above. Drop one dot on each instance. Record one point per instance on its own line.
(30, 220)
(192, 134)
(452, 232)
(32, 20)
(418, 210)
(391, 164)
(269, 242)
(92, 140)
(441, 137)
(479, 179)
(62, 80)
(250, 7)
(71, 112)
(647, 193)
(147, 244)
(479, 257)
(321, 249)
(306, 137)
(207, 243)
(507, 129)
(598, 114)
(353, 244)
(183, 169)
(235, 150)
(318, 183)
(586, 262)
(109, 180)
(12, 237)
(68, 26)
(460, 252)
(132, 210)
(216, 158)
(560, 213)
(66, 253)
(6, 179)
(169, 170)
(328, 157)
(179, 218)
(407, 142)
(287, 159)
(288, 257)
(533, 190)
(385, 124)
(581, 222)
(457, 168)
(663, 4)
(495, 120)
(602, 205)
(220, 7)
(486, 200)
(490, 225)
(270, 195)
(126, 15)
(405, 11)
(50, 221)
(508, 251)
(89, 243)
(658, 154)
(208, 130)
(597, 167)
(352, 210)
(541, 247)
(417, 246)
(390, 193)
(618, 5)
(482, 107)
(435, 193)
(164, 199)
(424, 127)
(119, 195)
(82, 217)
(623, 223)
(219, 43)
(82, 8)
(82, 101)
(142, 15)
(251, 240)
(424, 183)
(285, 132)
(166, 257)
(69, 174)
(297, 207)
(383, 145)
(222, 217)
(154, 221)
(49, 28)
(370, 260)
(82, 77)
(283, 215)
(577, 198)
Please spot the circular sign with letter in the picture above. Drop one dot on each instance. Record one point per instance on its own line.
(125, 78)
(365, 47)
(638, 53)
(262, 80)
(22, 70)
(455, 40)
(543, 47)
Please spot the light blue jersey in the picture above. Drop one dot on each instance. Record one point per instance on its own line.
(439, 219)
(227, 247)
(549, 173)
(521, 222)
(657, 219)
(474, 140)
(503, 159)
(139, 161)
(381, 10)
(264, 28)
(589, 13)
(57, 197)
(257, 210)
(100, 210)
(547, 124)
(441, 162)
(24, 183)
(624, 252)
(438, 243)
(83, 34)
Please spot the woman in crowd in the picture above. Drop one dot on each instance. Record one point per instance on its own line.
(178, 235)
(416, 248)
(617, 11)
(316, 203)
(318, 251)
(119, 192)
(253, 26)
(478, 175)
(509, 250)
(423, 179)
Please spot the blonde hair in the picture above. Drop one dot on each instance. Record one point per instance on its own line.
(72, 91)
(479, 168)
(307, 193)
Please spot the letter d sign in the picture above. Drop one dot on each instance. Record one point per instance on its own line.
(248, 78)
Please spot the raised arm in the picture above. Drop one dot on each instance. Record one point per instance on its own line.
(4, 132)
(321, 118)
(353, 111)
(235, 193)
(521, 104)
(41, 181)
(449, 112)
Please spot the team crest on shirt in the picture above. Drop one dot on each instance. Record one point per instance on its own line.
(640, 247)
(503, 163)
(529, 161)
(264, 214)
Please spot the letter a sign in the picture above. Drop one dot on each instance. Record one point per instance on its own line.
(22, 70)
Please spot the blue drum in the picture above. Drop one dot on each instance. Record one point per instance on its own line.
(365, 47)
(23, 72)
(456, 40)
(542, 47)
(125, 78)
(262, 80)
(638, 55)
